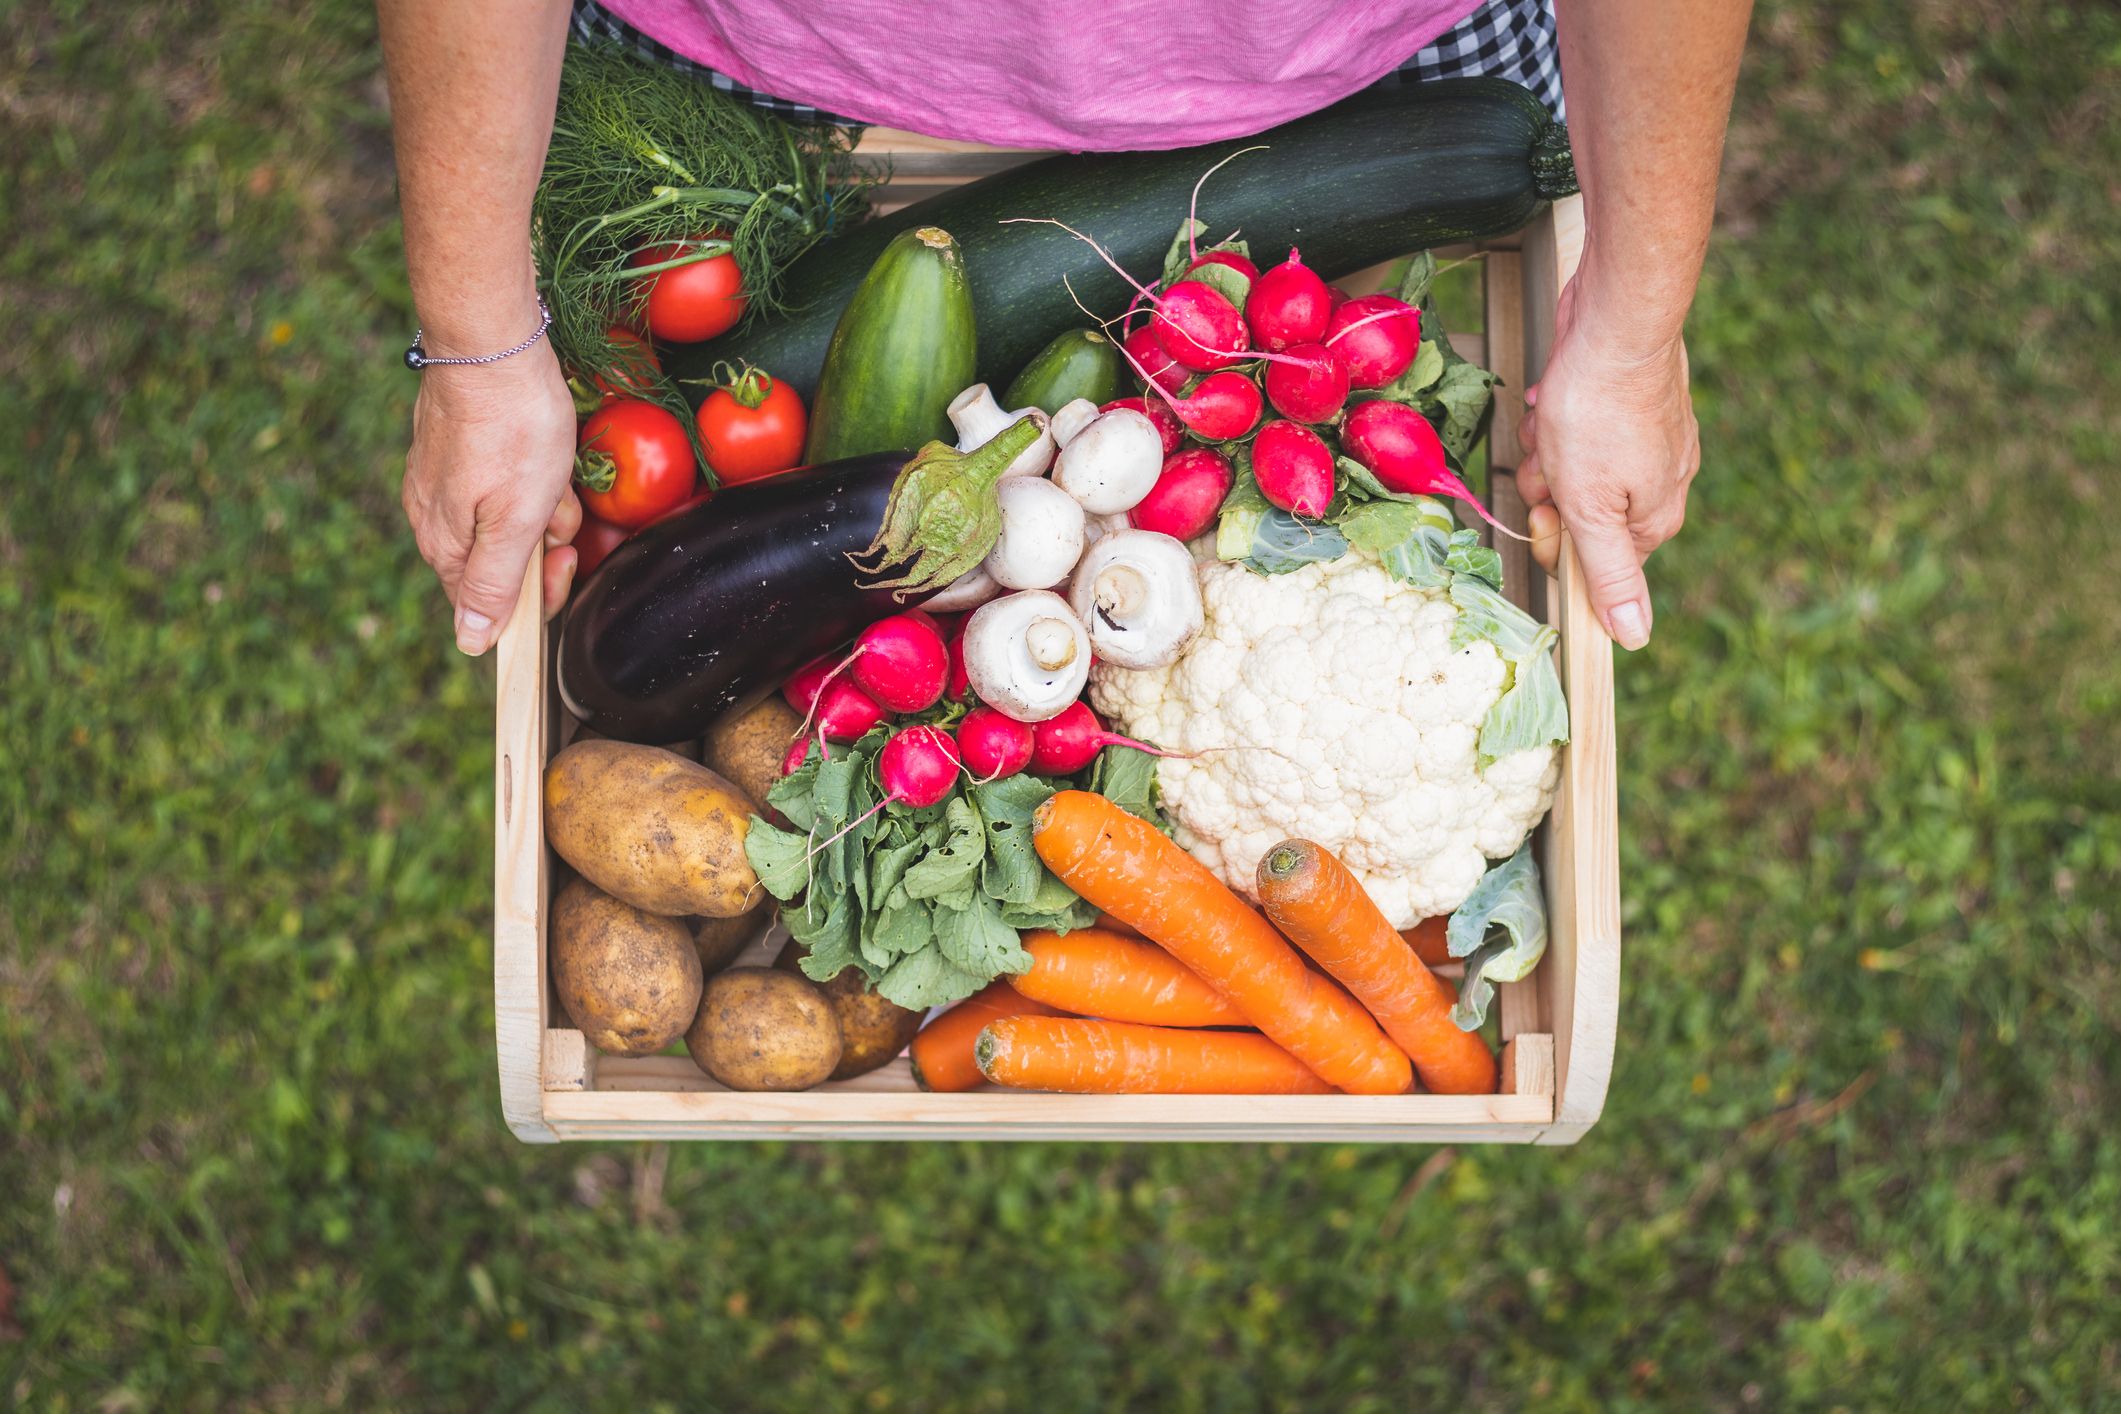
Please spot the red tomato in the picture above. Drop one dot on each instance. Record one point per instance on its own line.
(694, 301)
(752, 427)
(633, 462)
(633, 366)
(595, 540)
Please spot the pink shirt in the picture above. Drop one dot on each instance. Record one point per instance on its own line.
(1082, 75)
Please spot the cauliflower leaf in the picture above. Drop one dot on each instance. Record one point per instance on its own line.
(1500, 931)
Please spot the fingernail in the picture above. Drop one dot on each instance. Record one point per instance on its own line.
(472, 629)
(1631, 627)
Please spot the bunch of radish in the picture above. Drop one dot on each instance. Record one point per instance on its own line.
(1279, 360)
(913, 665)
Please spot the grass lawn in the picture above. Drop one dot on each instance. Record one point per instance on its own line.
(1861, 1147)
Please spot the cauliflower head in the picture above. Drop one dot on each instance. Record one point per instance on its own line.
(1331, 703)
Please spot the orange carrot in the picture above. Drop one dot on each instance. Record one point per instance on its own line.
(1112, 925)
(1322, 909)
(1428, 941)
(1126, 868)
(942, 1052)
(1090, 1057)
(1095, 973)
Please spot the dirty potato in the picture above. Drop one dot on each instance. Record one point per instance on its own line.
(872, 1030)
(720, 941)
(629, 980)
(759, 1029)
(651, 828)
(747, 748)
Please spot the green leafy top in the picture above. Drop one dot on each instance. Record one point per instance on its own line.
(927, 903)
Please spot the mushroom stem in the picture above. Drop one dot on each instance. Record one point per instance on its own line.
(1051, 643)
(1121, 591)
(979, 419)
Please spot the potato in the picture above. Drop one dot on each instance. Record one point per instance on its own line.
(629, 980)
(688, 748)
(759, 1029)
(872, 1031)
(651, 828)
(748, 747)
(719, 941)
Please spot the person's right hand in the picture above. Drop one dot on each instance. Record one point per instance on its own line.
(492, 454)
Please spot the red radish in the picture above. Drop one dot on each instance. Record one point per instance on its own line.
(1294, 468)
(992, 745)
(900, 661)
(1403, 452)
(804, 684)
(957, 687)
(1310, 384)
(1288, 305)
(1377, 337)
(918, 766)
(1065, 744)
(1338, 295)
(1223, 406)
(1198, 327)
(845, 712)
(798, 752)
(1153, 361)
(1187, 495)
(842, 711)
(1167, 426)
(1230, 258)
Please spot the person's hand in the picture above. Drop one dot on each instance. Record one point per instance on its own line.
(492, 454)
(1611, 442)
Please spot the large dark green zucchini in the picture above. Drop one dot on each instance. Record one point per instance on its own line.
(901, 351)
(1381, 174)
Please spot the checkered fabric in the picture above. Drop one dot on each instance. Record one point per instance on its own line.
(1506, 39)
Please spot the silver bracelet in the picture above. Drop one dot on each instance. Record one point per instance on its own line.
(417, 358)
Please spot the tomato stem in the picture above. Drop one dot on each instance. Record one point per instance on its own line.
(595, 470)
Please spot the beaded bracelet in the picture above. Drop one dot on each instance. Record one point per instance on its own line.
(417, 358)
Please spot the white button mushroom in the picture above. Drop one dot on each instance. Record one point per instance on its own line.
(1072, 418)
(1111, 462)
(1026, 655)
(979, 419)
(1042, 534)
(1097, 528)
(968, 591)
(1139, 598)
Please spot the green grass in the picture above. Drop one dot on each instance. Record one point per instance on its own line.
(1860, 1149)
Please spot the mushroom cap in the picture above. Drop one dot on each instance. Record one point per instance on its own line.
(1112, 462)
(968, 591)
(1138, 596)
(979, 419)
(1027, 655)
(1072, 417)
(1042, 534)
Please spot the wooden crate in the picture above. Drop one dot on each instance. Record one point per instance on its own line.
(1558, 1024)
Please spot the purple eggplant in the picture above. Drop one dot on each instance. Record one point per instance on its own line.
(706, 613)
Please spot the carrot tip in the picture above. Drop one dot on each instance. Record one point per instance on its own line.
(1285, 859)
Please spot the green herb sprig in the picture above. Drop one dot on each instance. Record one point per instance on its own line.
(644, 156)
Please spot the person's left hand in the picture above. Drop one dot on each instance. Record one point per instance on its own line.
(1611, 442)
